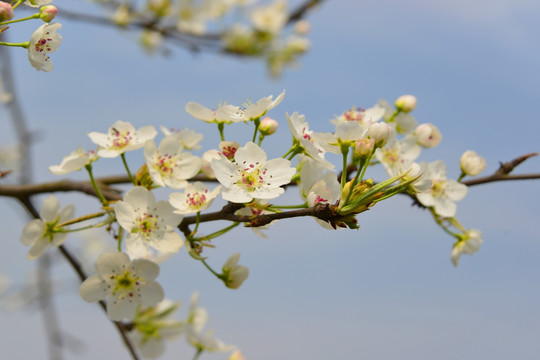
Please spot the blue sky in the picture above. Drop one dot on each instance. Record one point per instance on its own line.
(385, 291)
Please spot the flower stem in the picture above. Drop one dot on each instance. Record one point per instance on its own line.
(257, 122)
(104, 201)
(23, 44)
(17, 4)
(198, 353)
(345, 152)
(81, 219)
(220, 127)
(211, 270)
(120, 236)
(123, 155)
(35, 16)
(217, 233)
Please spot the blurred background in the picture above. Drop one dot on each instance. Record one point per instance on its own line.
(385, 291)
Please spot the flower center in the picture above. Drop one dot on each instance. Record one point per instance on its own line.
(250, 180)
(195, 200)
(121, 138)
(438, 188)
(166, 163)
(125, 284)
(146, 224)
(42, 45)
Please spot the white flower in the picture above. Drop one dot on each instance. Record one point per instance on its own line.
(422, 184)
(364, 117)
(120, 138)
(262, 106)
(271, 18)
(443, 192)
(74, 161)
(380, 133)
(44, 41)
(37, 3)
(196, 321)
(468, 244)
(325, 191)
(206, 162)
(168, 165)
(195, 198)
(124, 284)
(406, 103)
(189, 139)
(234, 274)
(40, 233)
(224, 114)
(396, 154)
(251, 176)
(311, 143)
(148, 223)
(427, 135)
(405, 123)
(471, 163)
(154, 325)
(228, 149)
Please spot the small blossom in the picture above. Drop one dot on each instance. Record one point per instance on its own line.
(427, 135)
(302, 27)
(406, 103)
(364, 147)
(37, 3)
(189, 139)
(380, 133)
(262, 106)
(468, 244)
(74, 162)
(148, 223)
(271, 18)
(195, 198)
(6, 11)
(44, 41)
(233, 274)
(48, 13)
(224, 114)
(40, 233)
(228, 149)
(471, 163)
(397, 153)
(206, 162)
(364, 117)
(251, 176)
(325, 191)
(443, 191)
(268, 126)
(405, 123)
(124, 284)
(120, 138)
(168, 165)
(312, 144)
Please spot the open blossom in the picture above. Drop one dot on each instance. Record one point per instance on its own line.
(471, 163)
(234, 274)
(251, 176)
(40, 233)
(443, 191)
(262, 106)
(206, 161)
(189, 139)
(307, 139)
(148, 223)
(120, 138)
(74, 161)
(44, 41)
(224, 114)
(168, 165)
(195, 198)
(396, 154)
(468, 244)
(155, 325)
(271, 18)
(124, 284)
(327, 190)
(364, 117)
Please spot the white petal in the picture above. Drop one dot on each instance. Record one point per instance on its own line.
(455, 190)
(121, 309)
(152, 348)
(171, 242)
(66, 213)
(136, 246)
(199, 112)
(32, 231)
(49, 209)
(125, 215)
(249, 154)
(145, 268)
(111, 263)
(93, 289)
(445, 207)
(151, 293)
(39, 248)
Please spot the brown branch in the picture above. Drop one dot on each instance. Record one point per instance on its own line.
(502, 174)
(301, 11)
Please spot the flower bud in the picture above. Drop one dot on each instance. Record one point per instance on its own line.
(406, 103)
(380, 133)
(427, 135)
(268, 126)
(471, 163)
(6, 11)
(469, 243)
(234, 274)
(364, 147)
(228, 149)
(47, 13)
(302, 27)
(237, 355)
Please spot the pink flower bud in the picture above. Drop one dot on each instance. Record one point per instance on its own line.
(406, 103)
(47, 13)
(268, 126)
(380, 133)
(6, 11)
(364, 147)
(427, 135)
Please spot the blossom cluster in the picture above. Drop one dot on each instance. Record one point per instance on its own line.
(148, 230)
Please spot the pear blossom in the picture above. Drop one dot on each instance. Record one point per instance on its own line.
(148, 223)
(41, 233)
(406, 103)
(153, 326)
(224, 114)
(233, 274)
(380, 133)
(168, 165)
(206, 161)
(398, 153)
(193, 329)
(471, 163)
(44, 41)
(268, 126)
(443, 191)
(252, 176)
(189, 139)
(120, 138)
(262, 106)
(405, 123)
(228, 149)
(195, 198)
(313, 144)
(271, 18)
(255, 208)
(468, 244)
(48, 13)
(6, 12)
(124, 284)
(364, 117)
(37, 3)
(74, 161)
(427, 135)
(325, 191)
